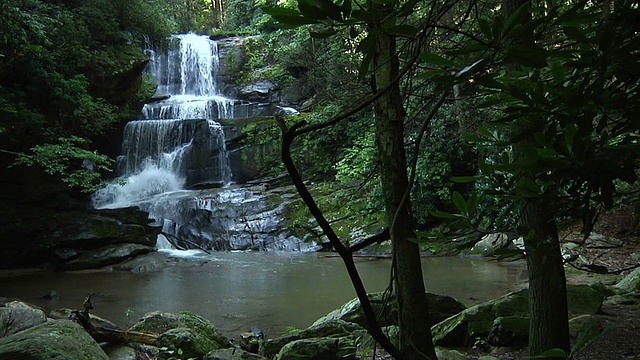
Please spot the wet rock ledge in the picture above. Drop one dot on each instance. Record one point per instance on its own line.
(76, 239)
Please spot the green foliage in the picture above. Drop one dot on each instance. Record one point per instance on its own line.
(78, 167)
(53, 59)
(567, 114)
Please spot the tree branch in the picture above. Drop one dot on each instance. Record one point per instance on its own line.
(288, 136)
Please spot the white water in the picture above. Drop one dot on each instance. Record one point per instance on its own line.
(158, 148)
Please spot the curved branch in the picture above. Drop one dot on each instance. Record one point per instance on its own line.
(288, 136)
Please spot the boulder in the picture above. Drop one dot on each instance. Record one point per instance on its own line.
(319, 349)
(330, 328)
(509, 331)
(16, 316)
(631, 282)
(597, 241)
(258, 91)
(440, 308)
(232, 354)
(120, 352)
(448, 354)
(490, 243)
(52, 340)
(158, 322)
(479, 321)
(191, 343)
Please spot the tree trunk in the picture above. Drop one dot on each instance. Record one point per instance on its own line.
(415, 330)
(548, 313)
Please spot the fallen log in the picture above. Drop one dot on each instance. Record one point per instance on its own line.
(109, 334)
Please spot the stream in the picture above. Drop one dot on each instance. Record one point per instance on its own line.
(237, 290)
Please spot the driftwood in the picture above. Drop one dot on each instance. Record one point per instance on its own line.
(110, 335)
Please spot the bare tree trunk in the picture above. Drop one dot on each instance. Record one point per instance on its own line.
(415, 330)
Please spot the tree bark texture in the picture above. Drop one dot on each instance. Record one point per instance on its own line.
(549, 323)
(415, 331)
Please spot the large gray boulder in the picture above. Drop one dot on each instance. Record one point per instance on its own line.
(52, 340)
(16, 316)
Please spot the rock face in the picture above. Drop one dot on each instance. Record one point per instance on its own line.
(76, 239)
(52, 340)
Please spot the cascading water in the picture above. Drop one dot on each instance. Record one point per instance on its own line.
(178, 144)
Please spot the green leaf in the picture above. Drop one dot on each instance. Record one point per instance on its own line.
(469, 68)
(465, 179)
(576, 34)
(364, 66)
(434, 59)
(570, 132)
(320, 9)
(459, 202)
(485, 28)
(443, 215)
(407, 8)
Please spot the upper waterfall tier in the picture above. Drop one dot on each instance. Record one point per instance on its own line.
(188, 67)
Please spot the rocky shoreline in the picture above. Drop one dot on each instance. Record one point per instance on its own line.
(500, 325)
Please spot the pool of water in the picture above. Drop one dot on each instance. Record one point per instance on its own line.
(238, 290)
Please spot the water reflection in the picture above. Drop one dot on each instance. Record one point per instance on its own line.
(238, 290)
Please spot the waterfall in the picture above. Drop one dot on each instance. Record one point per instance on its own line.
(176, 142)
(174, 162)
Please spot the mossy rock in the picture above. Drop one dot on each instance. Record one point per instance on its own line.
(509, 331)
(583, 299)
(158, 322)
(319, 349)
(52, 340)
(331, 328)
(191, 343)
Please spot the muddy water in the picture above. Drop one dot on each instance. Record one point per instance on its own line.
(240, 290)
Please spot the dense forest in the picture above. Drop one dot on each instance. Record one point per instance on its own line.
(450, 117)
